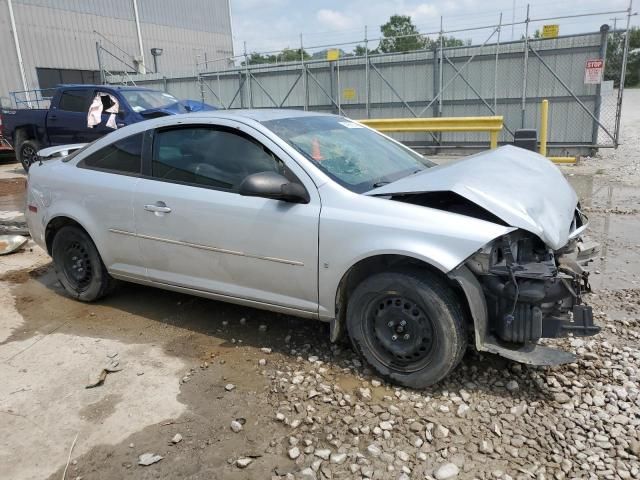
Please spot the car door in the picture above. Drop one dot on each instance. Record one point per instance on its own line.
(101, 193)
(196, 231)
(67, 122)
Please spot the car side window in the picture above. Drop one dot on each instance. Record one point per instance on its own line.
(74, 101)
(211, 157)
(123, 156)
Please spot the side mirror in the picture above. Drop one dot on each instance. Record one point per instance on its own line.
(275, 186)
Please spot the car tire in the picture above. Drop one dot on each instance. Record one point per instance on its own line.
(27, 153)
(78, 265)
(408, 325)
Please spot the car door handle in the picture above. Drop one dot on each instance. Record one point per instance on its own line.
(158, 207)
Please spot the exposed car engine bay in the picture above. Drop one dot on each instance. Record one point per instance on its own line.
(533, 292)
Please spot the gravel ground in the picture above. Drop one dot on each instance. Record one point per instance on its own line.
(260, 395)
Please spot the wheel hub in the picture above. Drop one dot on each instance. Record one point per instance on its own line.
(29, 155)
(402, 329)
(77, 265)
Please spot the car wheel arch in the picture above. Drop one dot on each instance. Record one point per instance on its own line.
(56, 223)
(376, 264)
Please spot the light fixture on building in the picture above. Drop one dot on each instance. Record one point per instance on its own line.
(156, 52)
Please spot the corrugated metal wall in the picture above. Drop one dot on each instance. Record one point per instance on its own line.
(411, 79)
(60, 34)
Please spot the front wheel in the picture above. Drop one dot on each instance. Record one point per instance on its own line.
(409, 326)
(78, 265)
(28, 153)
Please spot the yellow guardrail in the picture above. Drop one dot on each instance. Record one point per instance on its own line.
(491, 125)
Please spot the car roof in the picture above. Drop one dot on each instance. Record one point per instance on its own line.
(260, 114)
(110, 87)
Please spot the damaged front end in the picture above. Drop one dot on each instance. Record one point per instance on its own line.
(533, 292)
(521, 291)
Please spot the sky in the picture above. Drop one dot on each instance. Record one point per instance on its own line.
(271, 25)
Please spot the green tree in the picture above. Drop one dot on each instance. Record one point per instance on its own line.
(286, 55)
(613, 64)
(360, 50)
(401, 35)
(454, 42)
(291, 55)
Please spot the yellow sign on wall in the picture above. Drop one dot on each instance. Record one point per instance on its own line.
(349, 93)
(333, 54)
(550, 31)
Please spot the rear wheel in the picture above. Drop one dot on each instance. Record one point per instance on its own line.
(409, 326)
(78, 265)
(27, 153)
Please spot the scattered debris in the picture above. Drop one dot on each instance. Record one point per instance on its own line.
(236, 426)
(243, 462)
(11, 243)
(64, 474)
(147, 459)
(102, 376)
(177, 438)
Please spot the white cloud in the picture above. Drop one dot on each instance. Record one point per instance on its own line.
(423, 12)
(334, 20)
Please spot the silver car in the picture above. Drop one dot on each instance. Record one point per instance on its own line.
(318, 216)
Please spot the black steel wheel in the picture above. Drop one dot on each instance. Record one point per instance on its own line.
(409, 326)
(78, 265)
(28, 153)
(401, 333)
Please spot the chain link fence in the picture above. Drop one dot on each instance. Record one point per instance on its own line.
(491, 78)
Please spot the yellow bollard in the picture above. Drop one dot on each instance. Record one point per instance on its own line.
(493, 135)
(544, 126)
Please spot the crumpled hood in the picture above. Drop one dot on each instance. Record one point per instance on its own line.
(522, 188)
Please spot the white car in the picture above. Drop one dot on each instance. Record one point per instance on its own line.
(318, 216)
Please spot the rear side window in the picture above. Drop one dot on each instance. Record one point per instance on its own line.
(123, 156)
(210, 157)
(74, 101)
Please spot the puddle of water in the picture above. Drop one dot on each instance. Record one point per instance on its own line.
(614, 224)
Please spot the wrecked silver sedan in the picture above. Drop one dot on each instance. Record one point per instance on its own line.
(318, 216)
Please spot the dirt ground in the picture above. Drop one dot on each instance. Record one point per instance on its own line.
(221, 391)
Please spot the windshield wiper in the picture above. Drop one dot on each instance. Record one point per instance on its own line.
(380, 184)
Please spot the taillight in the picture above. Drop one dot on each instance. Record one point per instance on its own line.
(33, 208)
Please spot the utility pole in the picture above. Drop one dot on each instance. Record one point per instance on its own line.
(615, 22)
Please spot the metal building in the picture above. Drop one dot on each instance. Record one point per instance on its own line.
(47, 42)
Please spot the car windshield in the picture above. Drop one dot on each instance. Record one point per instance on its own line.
(140, 100)
(356, 157)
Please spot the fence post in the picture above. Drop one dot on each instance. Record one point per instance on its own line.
(524, 68)
(436, 78)
(595, 129)
(623, 74)
(440, 79)
(305, 80)
(366, 73)
(441, 69)
(201, 84)
(247, 75)
(495, 71)
(240, 86)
